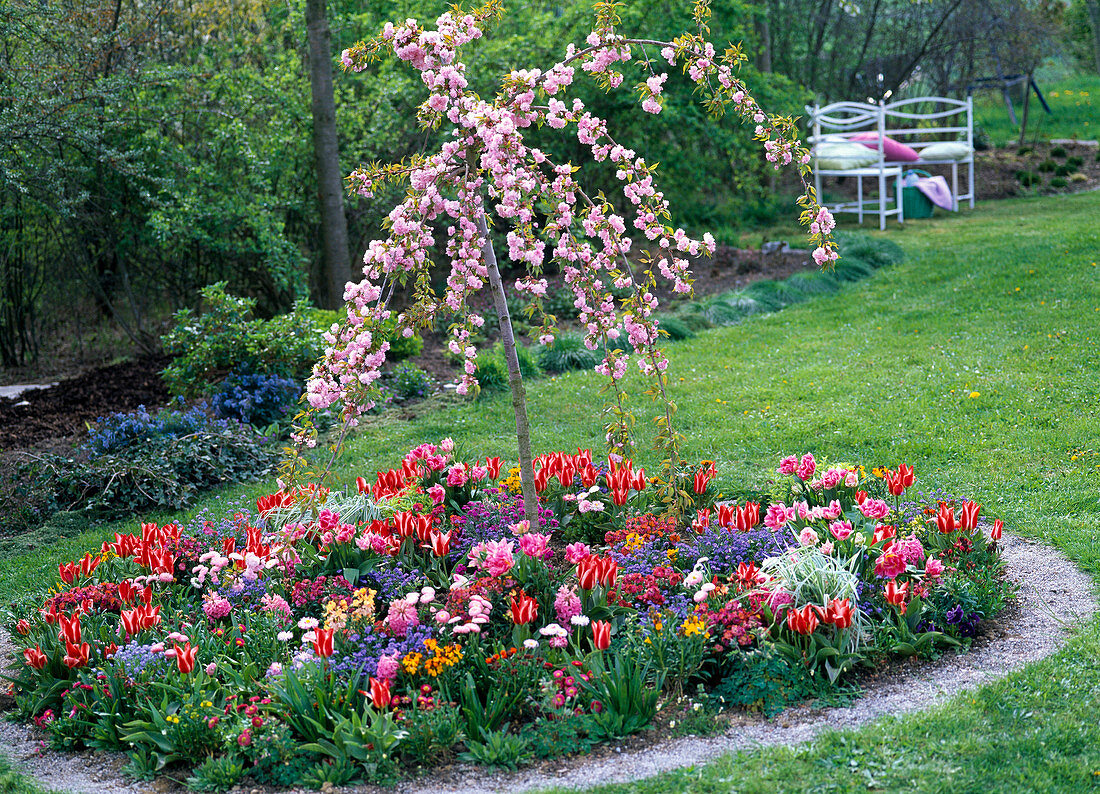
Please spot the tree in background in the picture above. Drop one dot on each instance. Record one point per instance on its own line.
(326, 152)
(487, 171)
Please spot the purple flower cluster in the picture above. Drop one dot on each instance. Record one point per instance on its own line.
(490, 519)
(364, 649)
(725, 549)
(134, 659)
(393, 582)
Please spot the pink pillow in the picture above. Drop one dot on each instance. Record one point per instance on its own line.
(894, 152)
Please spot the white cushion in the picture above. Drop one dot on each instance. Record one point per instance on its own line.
(844, 156)
(951, 150)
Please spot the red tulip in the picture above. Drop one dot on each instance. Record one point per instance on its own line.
(838, 613)
(601, 635)
(23, 627)
(727, 515)
(895, 483)
(67, 571)
(588, 572)
(542, 479)
(185, 657)
(440, 543)
(945, 520)
(322, 645)
(361, 485)
(76, 655)
(895, 593)
(589, 475)
(35, 658)
(493, 465)
(70, 629)
(380, 692)
(88, 564)
(607, 570)
(861, 497)
(126, 591)
(883, 532)
(110, 649)
(703, 477)
(524, 609)
(748, 516)
(968, 516)
(998, 527)
(905, 472)
(802, 621)
(747, 575)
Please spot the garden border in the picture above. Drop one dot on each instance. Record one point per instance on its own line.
(1051, 586)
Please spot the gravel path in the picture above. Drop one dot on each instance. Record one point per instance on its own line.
(1054, 596)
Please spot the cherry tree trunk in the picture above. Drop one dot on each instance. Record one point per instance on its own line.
(330, 179)
(515, 378)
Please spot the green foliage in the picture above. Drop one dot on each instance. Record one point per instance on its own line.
(1063, 170)
(407, 382)
(226, 337)
(1075, 163)
(217, 773)
(568, 352)
(765, 680)
(875, 251)
(628, 702)
(364, 740)
(491, 373)
(497, 748)
(568, 734)
(1047, 166)
(1058, 151)
(1058, 182)
(433, 733)
(1028, 178)
(162, 472)
(675, 327)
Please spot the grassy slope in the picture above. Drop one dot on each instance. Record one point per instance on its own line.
(1075, 111)
(975, 360)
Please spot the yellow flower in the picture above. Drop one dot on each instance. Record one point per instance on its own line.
(411, 663)
(693, 625)
(173, 718)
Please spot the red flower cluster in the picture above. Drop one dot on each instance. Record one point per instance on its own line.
(640, 590)
(317, 591)
(593, 571)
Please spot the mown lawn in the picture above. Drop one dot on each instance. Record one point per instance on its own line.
(976, 360)
(1075, 111)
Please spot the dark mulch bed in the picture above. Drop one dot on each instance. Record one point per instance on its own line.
(61, 411)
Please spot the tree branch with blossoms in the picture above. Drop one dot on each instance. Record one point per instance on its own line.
(486, 169)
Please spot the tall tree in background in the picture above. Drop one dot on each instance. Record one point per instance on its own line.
(1093, 7)
(330, 183)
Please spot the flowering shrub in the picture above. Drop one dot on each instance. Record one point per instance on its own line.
(256, 399)
(421, 614)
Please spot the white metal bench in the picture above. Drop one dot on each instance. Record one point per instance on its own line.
(918, 123)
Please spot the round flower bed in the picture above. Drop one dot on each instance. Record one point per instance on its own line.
(362, 634)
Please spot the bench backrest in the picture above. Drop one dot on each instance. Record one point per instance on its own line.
(917, 122)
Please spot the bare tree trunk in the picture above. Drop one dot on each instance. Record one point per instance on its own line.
(330, 183)
(1027, 103)
(1093, 7)
(515, 379)
(764, 34)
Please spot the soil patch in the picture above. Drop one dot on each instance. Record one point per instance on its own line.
(54, 417)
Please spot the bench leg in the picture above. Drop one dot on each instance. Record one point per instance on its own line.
(899, 201)
(881, 201)
(970, 180)
(859, 198)
(955, 187)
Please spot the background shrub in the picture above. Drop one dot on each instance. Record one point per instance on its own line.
(407, 382)
(255, 399)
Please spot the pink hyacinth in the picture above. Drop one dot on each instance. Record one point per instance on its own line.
(402, 617)
(388, 667)
(910, 548)
(566, 604)
(933, 567)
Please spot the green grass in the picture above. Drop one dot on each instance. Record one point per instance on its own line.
(1075, 111)
(12, 782)
(976, 360)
